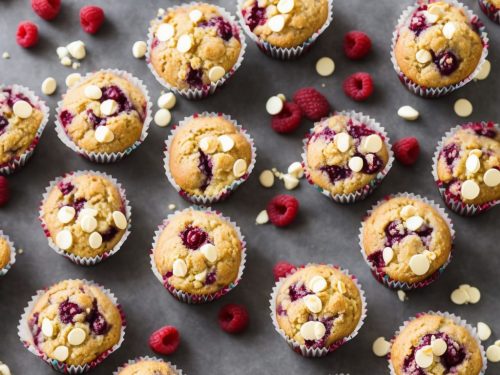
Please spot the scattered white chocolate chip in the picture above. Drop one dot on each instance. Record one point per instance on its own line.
(209, 251)
(61, 353)
(88, 211)
(119, 219)
(208, 144)
(325, 66)
(419, 264)
(76, 336)
(470, 189)
(75, 65)
(439, 347)
(483, 331)
(312, 330)
(179, 268)
(317, 284)
(165, 32)
(472, 164)
(402, 295)
(282, 97)
(423, 56)
(497, 343)
(49, 86)
(139, 49)
(6, 55)
(408, 113)
(167, 100)
(474, 294)
(72, 79)
(240, 168)
(226, 143)
(109, 107)
(342, 141)
(381, 347)
(20, 251)
(266, 178)
(195, 15)
(162, 117)
(276, 23)
(355, 163)
(424, 356)
(93, 92)
(274, 105)
(262, 217)
(492, 177)
(296, 170)
(449, 29)
(430, 17)
(459, 296)
(413, 223)
(215, 73)
(66, 61)
(103, 134)
(88, 223)
(66, 214)
(95, 240)
(171, 206)
(407, 211)
(285, 6)
(463, 107)
(62, 52)
(4, 369)
(484, 72)
(493, 353)
(313, 303)
(64, 239)
(387, 255)
(77, 49)
(184, 43)
(22, 109)
(47, 328)
(372, 143)
(291, 182)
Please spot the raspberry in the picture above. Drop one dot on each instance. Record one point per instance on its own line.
(4, 191)
(312, 103)
(358, 86)
(27, 34)
(406, 150)
(91, 18)
(288, 119)
(281, 269)
(282, 209)
(233, 318)
(165, 340)
(46, 9)
(357, 45)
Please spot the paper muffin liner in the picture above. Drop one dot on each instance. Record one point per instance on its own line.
(176, 370)
(224, 193)
(451, 201)
(6, 269)
(104, 157)
(436, 92)
(490, 10)
(384, 278)
(86, 261)
(303, 349)
(366, 190)
(457, 320)
(198, 298)
(26, 337)
(282, 53)
(206, 90)
(19, 161)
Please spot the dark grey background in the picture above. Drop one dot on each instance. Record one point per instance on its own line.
(323, 232)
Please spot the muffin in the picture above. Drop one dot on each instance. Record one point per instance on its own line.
(198, 255)
(148, 366)
(208, 156)
(346, 156)
(7, 254)
(407, 241)
(467, 167)
(435, 343)
(317, 309)
(491, 8)
(85, 215)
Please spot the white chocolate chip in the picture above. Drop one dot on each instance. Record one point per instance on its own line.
(381, 347)
(355, 163)
(209, 251)
(317, 284)
(312, 330)
(402, 295)
(75, 65)
(419, 264)
(179, 268)
(325, 66)
(408, 113)
(470, 189)
(62, 52)
(472, 164)
(493, 353)
(483, 331)
(201, 276)
(195, 15)
(474, 295)
(285, 6)
(162, 117)
(104, 135)
(184, 43)
(296, 170)
(424, 357)
(88, 223)
(262, 217)
(22, 109)
(413, 223)
(407, 211)
(492, 177)
(72, 79)
(437, 9)
(208, 144)
(226, 143)
(64, 239)
(372, 143)
(439, 347)
(61, 353)
(95, 240)
(484, 72)
(423, 56)
(215, 73)
(76, 336)
(463, 107)
(49, 86)
(165, 32)
(342, 141)
(47, 328)
(119, 219)
(430, 17)
(459, 296)
(66, 61)
(266, 178)
(139, 49)
(66, 214)
(387, 255)
(109, 107)
(276, 23)
(313, 303)
(88, 211)
(291, 182)
(171, 206)
(5, 56)
(77, 49)
(240, 168)
(274, 105)
(167, 100)
(497, 343)
(93, 92)
(449, 29)
(282, 97)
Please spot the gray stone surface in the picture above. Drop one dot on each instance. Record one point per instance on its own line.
(323, 232)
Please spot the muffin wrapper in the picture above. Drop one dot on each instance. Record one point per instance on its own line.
(457, 320)
(303, 349)
(83, 261)
(19, 161)
(201, 199)
(195, 298)
(436, 92)
(6, 269)
(206, 90)
(26, 337)
(384, 278)
(280, 52)
(490, 10)
(366, 190)
(102, 157)
(452, 202)
(147, 358)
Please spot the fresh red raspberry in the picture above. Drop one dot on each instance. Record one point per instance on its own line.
(233, 318)
(312, 103)
(282, 209)
(406, 150)
(4, 191)
(165, 340)
(281, 269)
(27, 34)
(358, 86)
(357, 45)
(91, 18)
(288, 119)
(46, 9)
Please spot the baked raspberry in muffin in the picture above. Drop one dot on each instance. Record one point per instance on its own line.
(147, 366)
(491, 8)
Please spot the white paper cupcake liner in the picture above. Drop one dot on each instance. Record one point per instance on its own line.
(102, 157)
(280, 52)
(176, 370)
(85, 261)
(224, 193)
(26, 337)
(457, 320)
(453, 202)
(374, 183)
(19, 161)
(384, 278)
(435, 92)
(303, 349)
(206, 90)
(490, 10)
(198, 298)
(12, 260)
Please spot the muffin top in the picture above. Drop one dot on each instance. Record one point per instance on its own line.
(318, 305)
(198, 252)
(194, 45)
(4, 252)
(84, 215)
(438, 46)
(75, 322)
(207, 154)
(285, 23)
(104, 113)
(20, 120)
(148, 367)
(407, 239)
(431, 344)
(344, 155)
(496, 3)
(469, 163)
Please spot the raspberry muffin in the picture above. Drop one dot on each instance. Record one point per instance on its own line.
(346, 156)
(208, 155)
(317, 309)
(148, 366)
(491, 8)
(467, 167)
(435, 343)
(7, 254)
(198, 255)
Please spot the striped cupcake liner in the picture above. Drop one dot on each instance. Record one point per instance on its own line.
(4, 270)
(490, 10)
(174, 368)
